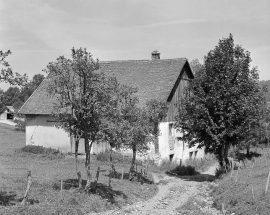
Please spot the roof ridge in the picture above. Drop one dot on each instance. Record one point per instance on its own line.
(146, 60)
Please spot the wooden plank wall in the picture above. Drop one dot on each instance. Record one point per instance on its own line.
(177, 97)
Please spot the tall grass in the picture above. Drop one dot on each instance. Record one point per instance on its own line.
(116, 157)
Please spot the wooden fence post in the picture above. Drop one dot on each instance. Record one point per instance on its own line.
(79, 178)
(110, 181)
(236, 175)
(267, 183)
(122, 178)
(27, 188)
(141, 175)
(252, 192)
(97, 175)
(61, 191)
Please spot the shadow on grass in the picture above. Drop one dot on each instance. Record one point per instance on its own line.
(137, 177)
(100, 189)
(107, 192)
(242, 156)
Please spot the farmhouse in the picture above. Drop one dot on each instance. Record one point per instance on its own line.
(7, 113)
(161, 79)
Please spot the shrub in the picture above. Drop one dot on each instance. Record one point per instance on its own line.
(39, 150)
(20, 125)
(185, 170)
(203, 164)
(167, 165)
(103, 156)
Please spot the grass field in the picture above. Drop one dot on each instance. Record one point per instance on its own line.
(47, 171)
(235, 192)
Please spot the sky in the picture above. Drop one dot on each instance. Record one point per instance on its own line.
(39, 31)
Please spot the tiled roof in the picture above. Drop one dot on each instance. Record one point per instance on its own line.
(11, 108)
(153, 78)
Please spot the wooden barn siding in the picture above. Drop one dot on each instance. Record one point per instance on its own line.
(178, 95)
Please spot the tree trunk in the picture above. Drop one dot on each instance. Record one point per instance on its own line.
(248, 150)
(79, 175)
(132, 167)
(223, 156)
(220, 155)
(111, 160)
(87, 160)
(76, 154)
(226, 152)
(156, 138)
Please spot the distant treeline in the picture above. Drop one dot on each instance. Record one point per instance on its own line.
(16, 97)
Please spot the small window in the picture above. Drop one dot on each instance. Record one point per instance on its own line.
(170, 129)
(190, 155)
(195, 154)
(171, 157)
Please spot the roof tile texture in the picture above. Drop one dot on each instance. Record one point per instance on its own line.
(153, 78)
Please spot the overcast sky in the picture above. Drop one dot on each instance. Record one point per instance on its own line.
(39, 31)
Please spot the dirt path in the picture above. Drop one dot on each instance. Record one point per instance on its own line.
(173, 195)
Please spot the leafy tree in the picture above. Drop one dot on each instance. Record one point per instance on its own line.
(195, 66)
(15, 96)
(156, 111)
(7, 74)
(115, 126)
(30, 87)
(10, 96)
(82, 98)
(137, 131)
(224, 98)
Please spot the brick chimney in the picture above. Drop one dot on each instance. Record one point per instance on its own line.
(155, 55)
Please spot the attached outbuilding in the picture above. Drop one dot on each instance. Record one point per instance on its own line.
(161, 79)
(7, 113)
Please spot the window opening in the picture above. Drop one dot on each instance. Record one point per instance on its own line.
(170, 129)
(190, 155)
(171, 157)
(195, 154)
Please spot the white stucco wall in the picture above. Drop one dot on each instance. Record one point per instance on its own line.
(41, 131)
(180, 150)
(3, 115)
(96, 147)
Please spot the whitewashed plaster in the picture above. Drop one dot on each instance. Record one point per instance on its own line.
(41, 130)
(170, 145)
